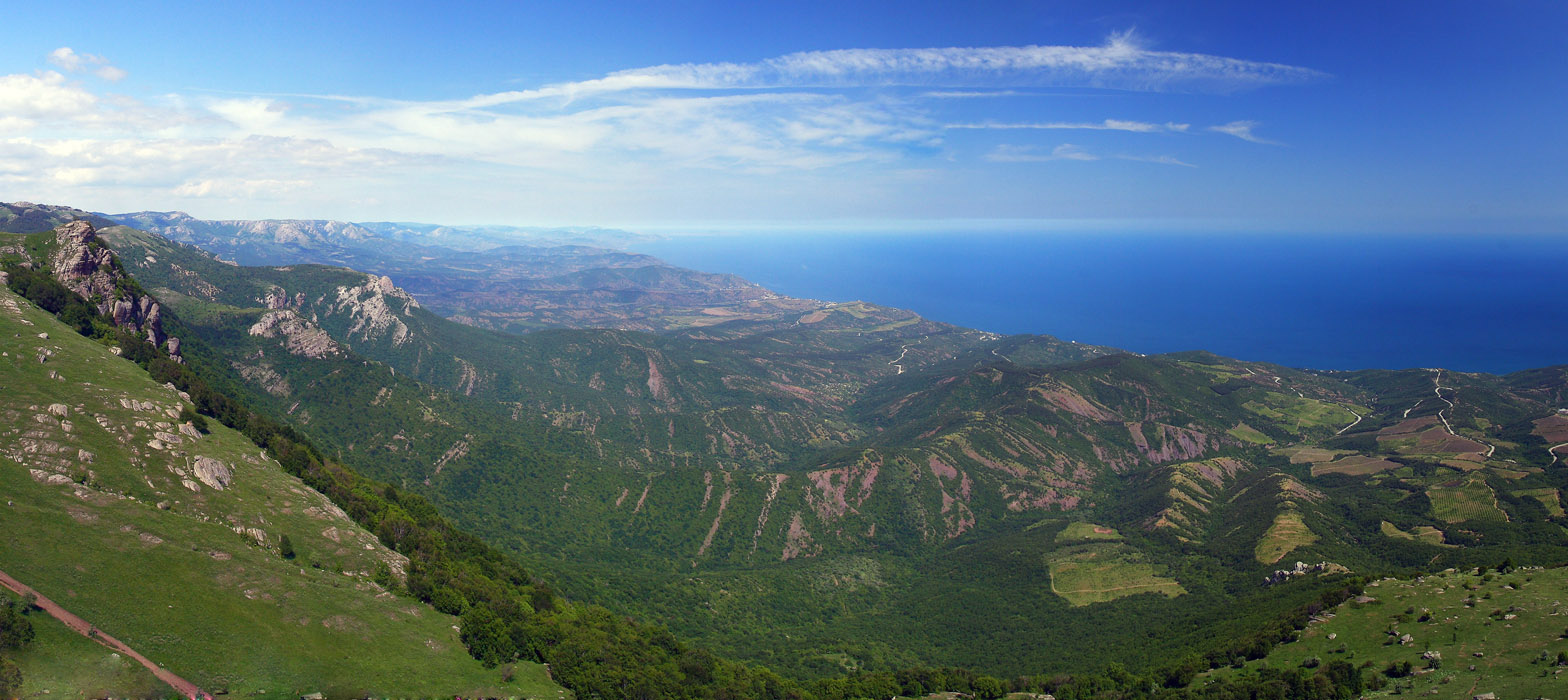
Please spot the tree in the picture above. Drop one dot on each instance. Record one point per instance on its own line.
(10, 678)
(15, 629)
(486, 636)
(987, 688)
(286, 547)
(383, 576)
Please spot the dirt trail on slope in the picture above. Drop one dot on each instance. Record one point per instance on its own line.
(80, 626)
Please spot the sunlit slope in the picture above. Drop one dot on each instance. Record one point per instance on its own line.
(168, 538)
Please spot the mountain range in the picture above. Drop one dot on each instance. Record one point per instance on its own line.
(827, 488)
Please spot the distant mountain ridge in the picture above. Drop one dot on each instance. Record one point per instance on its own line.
(506, 278)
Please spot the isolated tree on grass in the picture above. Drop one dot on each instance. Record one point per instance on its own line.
(286, 548)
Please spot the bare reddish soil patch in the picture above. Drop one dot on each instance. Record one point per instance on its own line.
(1553, 428)
(1355, 465)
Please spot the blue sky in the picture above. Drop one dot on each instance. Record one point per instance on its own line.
(1377, 117)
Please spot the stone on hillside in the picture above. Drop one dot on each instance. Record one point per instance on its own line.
(189, 430)
(1484, 696)
(85, 457)
(116, 351)
(59, 409)
(45, 336)
(213, 473)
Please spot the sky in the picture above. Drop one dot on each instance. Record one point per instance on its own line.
(1440, 117)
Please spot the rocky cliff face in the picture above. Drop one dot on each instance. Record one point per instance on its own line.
(300, 336)
(86, 266)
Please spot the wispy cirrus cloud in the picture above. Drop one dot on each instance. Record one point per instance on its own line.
(1013, 153)
(1121, 63)
(1107, 125)
(1010, 153)
(1161, 160)
(715, 123)
(1243, 130)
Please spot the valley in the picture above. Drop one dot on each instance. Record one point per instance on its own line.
(844, 488)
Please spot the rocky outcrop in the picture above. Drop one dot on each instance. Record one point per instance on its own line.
(213, 473)
(375, 307)
(300, 337)
(1302, 569)
(87, 267)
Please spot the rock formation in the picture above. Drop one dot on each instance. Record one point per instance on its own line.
(300, 336)
(87, 267)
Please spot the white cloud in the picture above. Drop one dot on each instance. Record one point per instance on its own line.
(1121, 63)
(1243, 130)
(1008, 153)
(1107, 125)
(817, 120)
(44, 95)
(967, 94)
(70, 61)
(1162, 160)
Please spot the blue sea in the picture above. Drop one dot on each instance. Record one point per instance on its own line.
(1473, 303)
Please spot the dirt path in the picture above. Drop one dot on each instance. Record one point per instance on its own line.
(901, 355)
(899, 359)
(1437, 388)
(1352, 425)
(1553, 452)
(80, 626)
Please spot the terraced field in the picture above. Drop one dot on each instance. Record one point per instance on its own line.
(1469, 498)
(1102, 568)
(1287, 533)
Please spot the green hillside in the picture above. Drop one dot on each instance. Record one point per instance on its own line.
(857, 490)
(168, 538)
(1447, 634)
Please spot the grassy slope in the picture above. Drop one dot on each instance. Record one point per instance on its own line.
(180, 585)
(1482, 649)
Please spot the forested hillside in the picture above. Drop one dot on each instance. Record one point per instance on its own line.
(855, 489)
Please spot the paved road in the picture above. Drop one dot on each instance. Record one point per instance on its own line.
(80, 626)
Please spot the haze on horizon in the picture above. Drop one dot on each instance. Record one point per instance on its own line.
(1443, 117)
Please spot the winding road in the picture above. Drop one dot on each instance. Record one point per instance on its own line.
(1553, 452)
(899, 359)
(80, 626)
(1437, 388)
(1352, 425)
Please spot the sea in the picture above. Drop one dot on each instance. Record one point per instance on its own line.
(1475, 303)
